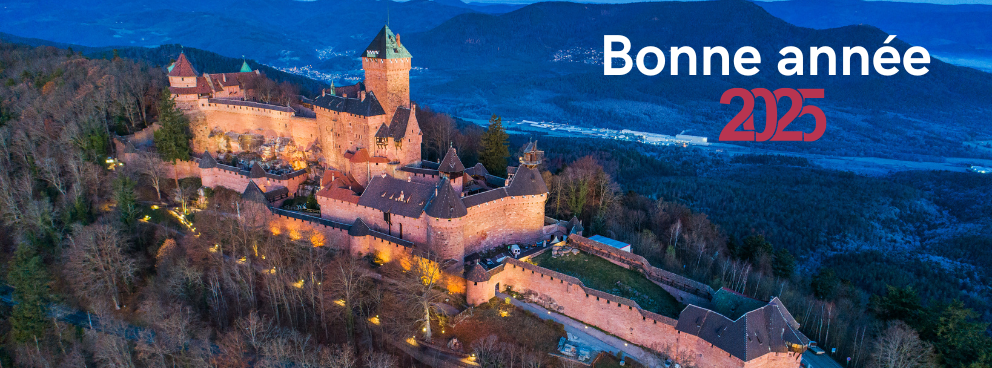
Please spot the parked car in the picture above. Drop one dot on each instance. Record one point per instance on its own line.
(815, 349)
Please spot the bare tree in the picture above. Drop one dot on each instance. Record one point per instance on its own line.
(348, 280)
(900, 347)
(419, 290)
(154, 169)
(380, 359)
(488, 352)
(96, 263)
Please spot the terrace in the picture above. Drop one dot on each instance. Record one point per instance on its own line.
(603, 275)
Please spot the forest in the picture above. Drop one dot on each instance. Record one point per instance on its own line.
(100, 275)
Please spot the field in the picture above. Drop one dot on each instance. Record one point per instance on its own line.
(603, 275)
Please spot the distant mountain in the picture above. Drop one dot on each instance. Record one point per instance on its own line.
(209, 62)
(273, 31)
(543, 62)
(958, 32)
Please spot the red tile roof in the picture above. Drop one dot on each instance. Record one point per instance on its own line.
(182, 68)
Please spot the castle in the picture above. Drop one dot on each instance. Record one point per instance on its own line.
(357, 151)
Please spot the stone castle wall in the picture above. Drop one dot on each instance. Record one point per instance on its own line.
(617, 316)
(506, 220)
(269, 123)
(234, 180)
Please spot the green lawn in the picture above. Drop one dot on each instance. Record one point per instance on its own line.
(600, 274)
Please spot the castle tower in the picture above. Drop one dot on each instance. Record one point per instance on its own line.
(182, 74)
(532, 157)
(444, 212)
(452, 168)
(387, 71)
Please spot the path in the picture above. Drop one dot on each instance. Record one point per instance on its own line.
(590, 336)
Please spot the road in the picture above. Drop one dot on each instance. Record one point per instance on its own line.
(590, 336)
(819, 361)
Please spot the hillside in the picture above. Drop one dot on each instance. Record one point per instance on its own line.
(957, 32)
(547, 66)
(290, 31)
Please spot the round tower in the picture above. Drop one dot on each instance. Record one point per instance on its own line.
(445, 231)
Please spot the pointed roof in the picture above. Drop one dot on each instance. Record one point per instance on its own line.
(359, 228)
(256, 171)
(451, 163)
(207, 161)
(401, 119)
(182, 67)
(526, 181)
(477, 170)
(386, 45)
(476, 273)
(254, 193)
(383, 131)
(244, 67)
(447, 203)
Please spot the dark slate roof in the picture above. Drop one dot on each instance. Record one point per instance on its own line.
(785, 313)
(254, 193)
(756, 333)
(401, 118)
(716, 329)
(309, 218)
(526, 181)
(573, 224)
(182, 67)
(368, 107)
(447, 203)
(487, 196)
(401, 197)
(207, 161)
(257, 105)
(419, 170)
(477, 273)
(451, 163)
(385, 45)
(477, 170)
(359, 228)
(276, 193)
(383, 131)
(256, 171)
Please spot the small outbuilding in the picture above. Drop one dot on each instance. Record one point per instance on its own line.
(611, 242)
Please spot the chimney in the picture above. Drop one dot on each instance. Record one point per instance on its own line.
(323, 92)
(225, 77)
(398, 43)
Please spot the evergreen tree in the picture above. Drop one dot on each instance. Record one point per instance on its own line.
(127, 202)
(783, 265)
(495, 147)
(172, 139)
(27, 275)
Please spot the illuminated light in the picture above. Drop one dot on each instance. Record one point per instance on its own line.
(110, 161)
(503, 313)
(339, 302)
(242, 260)
(425, 329)
(276, 230)
(155, 207)
(375, 320)
(272, 271)
(298, 284)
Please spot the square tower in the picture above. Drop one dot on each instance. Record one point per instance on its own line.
(387, 71)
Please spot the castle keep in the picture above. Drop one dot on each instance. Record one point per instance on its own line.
(356, 151)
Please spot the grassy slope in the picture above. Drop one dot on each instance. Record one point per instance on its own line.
(603, 275)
